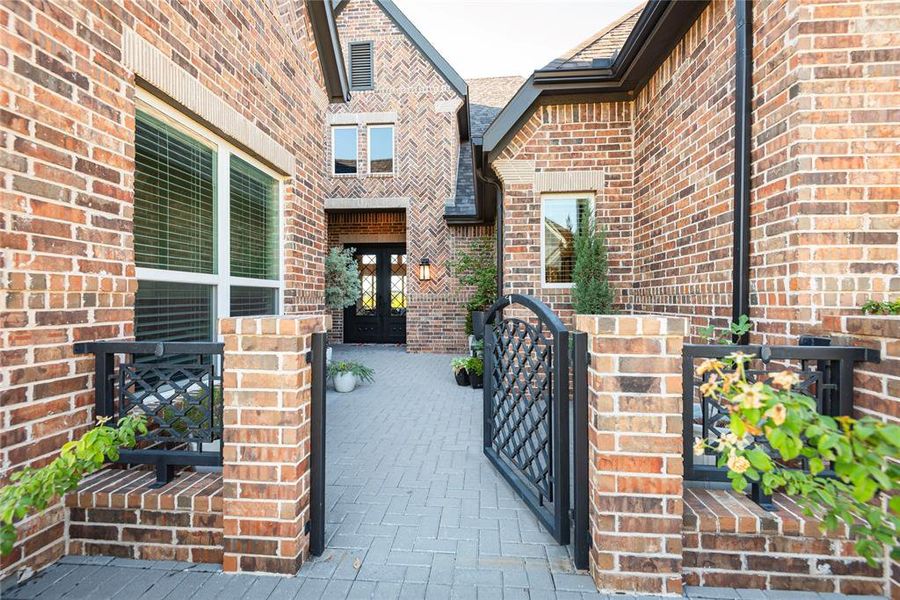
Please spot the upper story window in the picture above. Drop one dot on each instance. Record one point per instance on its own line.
(362, 70)
(561, 217)
(381, 149)
(206, 229)
(344, 150)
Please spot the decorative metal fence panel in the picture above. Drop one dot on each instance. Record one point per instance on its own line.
(825, 374)
(526, 403)
(177, 386)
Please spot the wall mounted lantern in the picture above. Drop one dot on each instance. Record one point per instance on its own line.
(424, 270)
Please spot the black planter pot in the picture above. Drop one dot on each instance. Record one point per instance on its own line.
(462, 377)
(478, 324)
(477, 380)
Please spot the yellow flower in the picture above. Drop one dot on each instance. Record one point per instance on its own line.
(709, 388)
(785, 380)
(710, 364)
(699, 446)
(727, 381)
(777, 413)
(751, 397)
(738, 464)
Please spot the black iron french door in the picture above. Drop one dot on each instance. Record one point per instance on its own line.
(379, 315)
(527, 428)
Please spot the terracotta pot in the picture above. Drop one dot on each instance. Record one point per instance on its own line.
(344, 382)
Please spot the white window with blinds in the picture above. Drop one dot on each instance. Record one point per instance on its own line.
(362, 66)
(207, 229)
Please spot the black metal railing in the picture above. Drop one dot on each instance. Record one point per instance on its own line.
(825, 374)
(176, 385)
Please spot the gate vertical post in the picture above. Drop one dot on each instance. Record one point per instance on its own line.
(560, 433)
(317, 447)
(582, 541)
(490, 340)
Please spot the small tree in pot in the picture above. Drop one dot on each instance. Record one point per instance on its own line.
(342, 287)
(477, 267)
(591, 292)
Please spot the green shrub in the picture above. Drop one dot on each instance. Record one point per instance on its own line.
(475, 365)
(34, 489)
(458, 363)
(591, 292)
(477, 267)
(342, 287)
(875, 307)
(863, 453)
(735, 330)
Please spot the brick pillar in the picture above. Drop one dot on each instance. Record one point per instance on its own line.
(267, 384)
(635, 451)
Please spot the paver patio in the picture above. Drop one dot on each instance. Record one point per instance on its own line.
(414, 511)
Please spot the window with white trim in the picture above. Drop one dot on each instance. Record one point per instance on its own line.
(381, 149)
(561, 216)
(344, 150)
(206, 229)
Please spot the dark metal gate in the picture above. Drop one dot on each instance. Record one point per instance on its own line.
(527, 377)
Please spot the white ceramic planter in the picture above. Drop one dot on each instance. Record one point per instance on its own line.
(344, 382)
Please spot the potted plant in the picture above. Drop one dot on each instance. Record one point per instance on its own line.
(342, 287)
(477, 268)
(592, 293)
(347, 374)
(458, 365)
(475, 369)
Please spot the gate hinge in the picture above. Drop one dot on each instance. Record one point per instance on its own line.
(307, 527)
(309, 357)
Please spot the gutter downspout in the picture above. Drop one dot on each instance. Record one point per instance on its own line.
(743, 113)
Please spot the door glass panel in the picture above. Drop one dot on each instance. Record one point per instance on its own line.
(398, 285)
(368, 279)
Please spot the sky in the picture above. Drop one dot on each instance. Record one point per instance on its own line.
(490, 38)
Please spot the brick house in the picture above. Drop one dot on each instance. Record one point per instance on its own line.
(639, 125)
(128, 131)
(400, 185)
(343, 127)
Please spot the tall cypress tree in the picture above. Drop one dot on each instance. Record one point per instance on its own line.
(591, 294)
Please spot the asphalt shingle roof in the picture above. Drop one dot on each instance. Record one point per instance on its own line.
(603, 44)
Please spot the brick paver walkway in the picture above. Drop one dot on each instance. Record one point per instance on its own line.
(415, 511)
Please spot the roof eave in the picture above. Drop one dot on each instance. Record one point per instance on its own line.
(331, 58)
(660, 26)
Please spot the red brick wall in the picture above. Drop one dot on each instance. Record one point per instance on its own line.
(683, 166)
(117, 513)
(565, 138)
(66, 175)
(426, 149)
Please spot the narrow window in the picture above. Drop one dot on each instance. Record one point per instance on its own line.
(174, 192)
(344, 149)
(362, 75)
(254, 222)
(381, 149)
(562, 216)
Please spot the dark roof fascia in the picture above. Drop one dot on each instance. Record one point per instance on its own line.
(331, 58)
(421, 42)
(660, 27)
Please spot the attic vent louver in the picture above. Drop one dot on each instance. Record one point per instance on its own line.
(361, 66)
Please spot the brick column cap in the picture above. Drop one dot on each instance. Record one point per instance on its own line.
(632, 325)
(275, 325)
